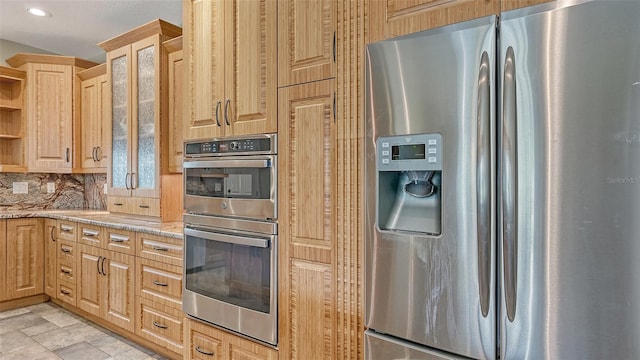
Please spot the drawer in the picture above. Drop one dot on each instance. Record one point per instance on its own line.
(67, 292)
(134, 205)
(160, 248)
(91, 235)
(122, 241)
(160, 324)
(67, 271)
(204, 342)
(67, 230)
(159, 282)
(66, 251)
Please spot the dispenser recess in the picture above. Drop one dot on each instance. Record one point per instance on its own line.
(409, 184)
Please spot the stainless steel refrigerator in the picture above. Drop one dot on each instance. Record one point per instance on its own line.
(502, 187)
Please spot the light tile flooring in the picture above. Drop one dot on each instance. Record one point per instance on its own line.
(49, 332)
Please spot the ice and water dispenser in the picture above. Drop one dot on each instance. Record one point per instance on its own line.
(409, 169)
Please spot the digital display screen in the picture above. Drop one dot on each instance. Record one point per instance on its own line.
(407, 152)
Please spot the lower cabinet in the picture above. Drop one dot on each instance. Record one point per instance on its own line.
(23, 249)
(106, 285)
(204, 342)
(159, 323)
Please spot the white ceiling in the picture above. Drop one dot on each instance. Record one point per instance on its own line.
(76, 26)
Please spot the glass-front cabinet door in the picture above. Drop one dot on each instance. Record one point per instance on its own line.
(135, 139)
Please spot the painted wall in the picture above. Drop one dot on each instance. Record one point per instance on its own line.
(72, 191)
(10, 48)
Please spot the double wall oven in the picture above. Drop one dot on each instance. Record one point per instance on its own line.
(231, 234)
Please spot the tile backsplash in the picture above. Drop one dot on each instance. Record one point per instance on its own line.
(71, 191)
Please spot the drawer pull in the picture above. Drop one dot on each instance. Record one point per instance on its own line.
(65, 271)
(144, 206)
(204, 352)
(87, 232)
(159, 248)
(65, 250)
(118, 238)
(160, 325)
(156, 282)
(65, 292)
(66, 228)
(118, 204)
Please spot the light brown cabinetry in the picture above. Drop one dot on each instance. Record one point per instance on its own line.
(388, 19)
(136, 71)
(91, 130)
(507, 5)
(24, 261)
(106, 285)
(306, 41)
(50, 92)
(204, 342)
(12, 120)
(159, 316)
(231, 60)
(175, 99)
(307, 136)
(66, 270)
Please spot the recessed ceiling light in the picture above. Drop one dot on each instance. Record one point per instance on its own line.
(38, 12)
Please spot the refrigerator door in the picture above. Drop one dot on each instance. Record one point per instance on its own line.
(436, 291)
(570, 226)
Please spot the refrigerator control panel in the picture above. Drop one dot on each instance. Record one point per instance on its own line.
(409, 152)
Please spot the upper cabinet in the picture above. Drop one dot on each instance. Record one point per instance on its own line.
(306, 41)
(90, 132)
(12, 126)
(230, 57)
(135, 63)
(388, 19)
(175, 98)
(51, 88)
(507, 5)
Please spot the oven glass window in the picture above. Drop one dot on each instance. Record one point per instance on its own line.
(243, 183)
(235, 274)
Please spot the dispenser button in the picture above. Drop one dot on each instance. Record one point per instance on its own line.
(385, 152)
(432, 141)
(385, 145)
(432, 150)
(386, 161)
(432, 159)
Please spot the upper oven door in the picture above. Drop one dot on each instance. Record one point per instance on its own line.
(243, 186)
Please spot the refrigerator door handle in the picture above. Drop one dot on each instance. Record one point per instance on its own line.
(483, 183)
(509, 188)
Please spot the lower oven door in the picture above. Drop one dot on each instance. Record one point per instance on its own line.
(230, 281)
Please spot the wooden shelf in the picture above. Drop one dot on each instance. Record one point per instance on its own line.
(12, 120)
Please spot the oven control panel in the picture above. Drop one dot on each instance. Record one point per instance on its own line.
(263, 144)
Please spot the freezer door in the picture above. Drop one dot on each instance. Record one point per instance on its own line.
(570, 170)
(435, 290)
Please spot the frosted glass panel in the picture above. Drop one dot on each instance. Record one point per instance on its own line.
(120, 126)
(146, 119)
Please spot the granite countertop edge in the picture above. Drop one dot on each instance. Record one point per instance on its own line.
(101, 218)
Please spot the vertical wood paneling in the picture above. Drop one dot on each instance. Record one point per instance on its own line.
(3, 259)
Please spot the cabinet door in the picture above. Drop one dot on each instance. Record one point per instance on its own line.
(119, 167)
(203, 32)
(89, 294)
(145, 103)
(176, 95)
(118, 293)
(25, 258)
(307, 141)
(50, 114)
(94, 94)
(250, 61)
(394, 18)
(306, 41)
(3, 259)
(50, 256)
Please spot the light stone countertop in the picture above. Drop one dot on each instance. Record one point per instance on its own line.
(101, 218)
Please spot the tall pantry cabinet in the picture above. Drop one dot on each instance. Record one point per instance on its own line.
(138, 137)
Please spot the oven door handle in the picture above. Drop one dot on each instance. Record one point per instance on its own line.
(254, 163)
(226, 238)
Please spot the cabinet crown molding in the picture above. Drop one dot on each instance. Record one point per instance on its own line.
(154, 27)
(93, 72)
(173, 45)
(7, 72)
(25, 58)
